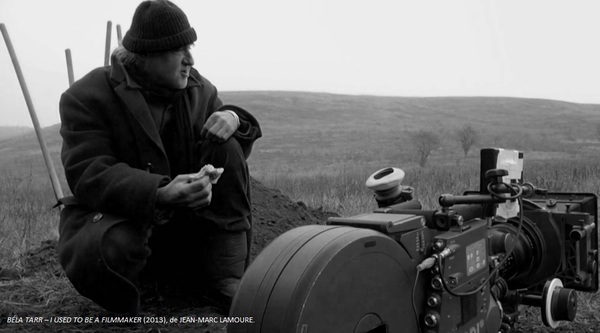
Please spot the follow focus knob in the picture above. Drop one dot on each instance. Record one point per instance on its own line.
(558, 303)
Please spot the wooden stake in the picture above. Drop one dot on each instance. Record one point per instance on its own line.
(36, 124)
(69, 67)
(107, 48)
(119, 36)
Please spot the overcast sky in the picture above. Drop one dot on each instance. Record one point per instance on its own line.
(533, 48)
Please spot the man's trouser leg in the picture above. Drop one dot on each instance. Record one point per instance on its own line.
(228, 248)
(206, 251)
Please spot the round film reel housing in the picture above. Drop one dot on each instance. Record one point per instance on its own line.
(327, 279)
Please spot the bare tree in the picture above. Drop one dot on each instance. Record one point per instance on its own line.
(467, 136)
(424, 142)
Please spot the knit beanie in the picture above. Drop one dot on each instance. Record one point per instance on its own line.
(158, 25)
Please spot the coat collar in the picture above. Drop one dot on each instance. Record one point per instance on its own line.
(119, 74)
(130, 93)
(136, 105)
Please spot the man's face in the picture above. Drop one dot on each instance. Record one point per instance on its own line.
(170, 69)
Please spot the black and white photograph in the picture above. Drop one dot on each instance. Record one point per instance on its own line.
(299, 166)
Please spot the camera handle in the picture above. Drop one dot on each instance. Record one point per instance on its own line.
(497, 191)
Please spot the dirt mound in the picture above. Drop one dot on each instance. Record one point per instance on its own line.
(42, 290)
(273, 213)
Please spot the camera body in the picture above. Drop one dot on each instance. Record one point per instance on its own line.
(468, 267)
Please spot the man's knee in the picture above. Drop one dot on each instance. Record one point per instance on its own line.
(230, 206)
(125, 249)
(226, 154)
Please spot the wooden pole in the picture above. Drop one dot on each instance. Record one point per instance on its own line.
(36, 124)
(119, 36)
(107, 48)
(70, 67)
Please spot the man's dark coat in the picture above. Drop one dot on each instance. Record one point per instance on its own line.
(114, 162)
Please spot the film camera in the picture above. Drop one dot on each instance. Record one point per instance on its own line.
(470, 266)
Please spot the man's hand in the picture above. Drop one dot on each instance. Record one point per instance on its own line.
(220, 126)
(185, 191)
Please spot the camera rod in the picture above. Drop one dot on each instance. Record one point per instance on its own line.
(448, 200)
(497, 191)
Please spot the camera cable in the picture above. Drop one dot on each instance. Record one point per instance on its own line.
(414, 306)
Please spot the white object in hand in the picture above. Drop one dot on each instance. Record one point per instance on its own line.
(208, 170)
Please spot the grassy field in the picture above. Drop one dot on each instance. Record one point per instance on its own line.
(320, 149)
(345, 192)
(28, 217)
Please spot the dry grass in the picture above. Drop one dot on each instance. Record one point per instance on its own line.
(342, 190)
(43, 291)
(27, 216)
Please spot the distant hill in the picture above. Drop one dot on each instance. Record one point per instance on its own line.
(340, 130)
(26, 143)
(12, 131)
(331, 132)
(21, 158)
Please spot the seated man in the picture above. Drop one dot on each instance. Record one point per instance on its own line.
(134, 134)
